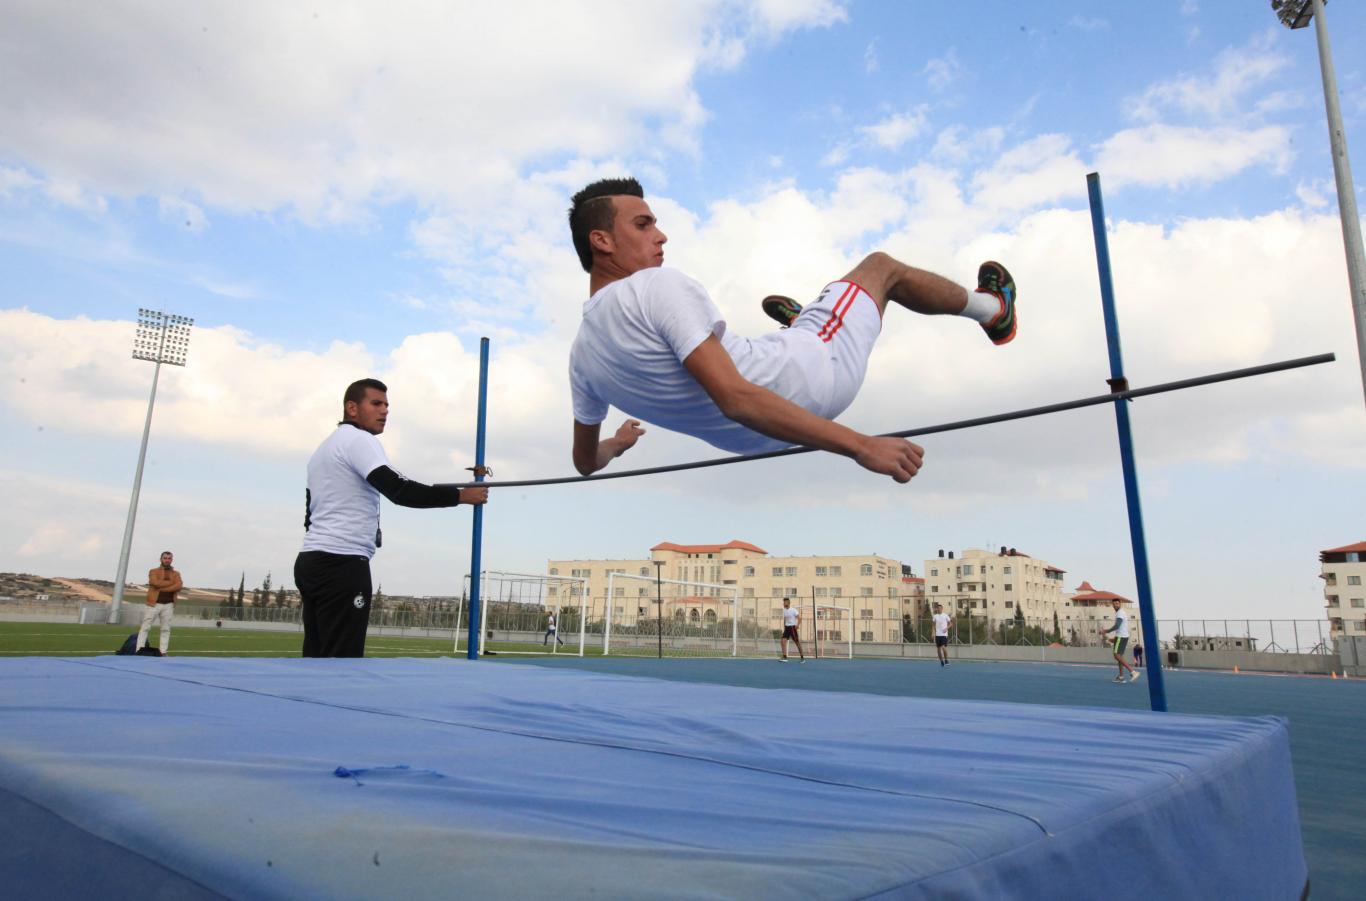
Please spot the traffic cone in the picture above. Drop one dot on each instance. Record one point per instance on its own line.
(1235, 667)
(1334, 672)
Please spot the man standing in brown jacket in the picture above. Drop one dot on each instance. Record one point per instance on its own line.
(162, 585)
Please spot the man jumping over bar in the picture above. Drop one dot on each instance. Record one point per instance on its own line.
(653, 344)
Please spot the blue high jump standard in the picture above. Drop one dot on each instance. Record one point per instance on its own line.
(137, 777)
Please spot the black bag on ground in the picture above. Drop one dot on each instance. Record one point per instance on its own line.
(128, 646)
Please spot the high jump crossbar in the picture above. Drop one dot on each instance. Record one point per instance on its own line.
(1028, 413)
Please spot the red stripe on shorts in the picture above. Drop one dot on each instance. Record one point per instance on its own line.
(842, 306)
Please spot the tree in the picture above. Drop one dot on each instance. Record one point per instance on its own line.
(241, 589)
(280, 597)
(1057, 629)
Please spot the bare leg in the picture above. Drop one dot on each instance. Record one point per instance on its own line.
(919, 291)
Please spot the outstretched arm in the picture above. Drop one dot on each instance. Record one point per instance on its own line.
(592, 454)
(407, 493)
(767, 413)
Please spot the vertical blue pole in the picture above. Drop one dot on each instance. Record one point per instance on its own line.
(1157, 692)
(477, 542)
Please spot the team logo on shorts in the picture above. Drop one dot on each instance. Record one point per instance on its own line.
(359, 601)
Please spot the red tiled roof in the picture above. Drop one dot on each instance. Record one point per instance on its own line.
(1086, 586)
(733, 544)
(1358, 547)
(1106, 596)
(1053, 569)
(912, 579)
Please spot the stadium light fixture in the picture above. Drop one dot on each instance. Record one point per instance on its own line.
(1297, 14)
(160, 338)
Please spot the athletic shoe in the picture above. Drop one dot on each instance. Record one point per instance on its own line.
(992, 278)
(1133, 676)
(803, 660)
(782, 659)
(781, 309)
(1118, 680)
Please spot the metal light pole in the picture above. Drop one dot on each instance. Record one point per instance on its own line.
(1296, 14)
(659, 608)
(161, 338)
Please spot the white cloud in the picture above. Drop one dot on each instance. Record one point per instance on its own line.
(1220, 96)
(1172, 155)
(943, 71)
(321, 110)
(894, 131)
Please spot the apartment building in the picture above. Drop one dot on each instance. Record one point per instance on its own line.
(995, 584)
(876, 590)
(1343, 571)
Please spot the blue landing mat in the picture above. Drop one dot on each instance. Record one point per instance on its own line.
(122, 777)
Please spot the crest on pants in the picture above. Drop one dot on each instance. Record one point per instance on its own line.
(359, 601)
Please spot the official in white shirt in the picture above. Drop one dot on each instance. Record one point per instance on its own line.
(346, 476)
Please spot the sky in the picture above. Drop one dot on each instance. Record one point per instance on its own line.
(360, 189)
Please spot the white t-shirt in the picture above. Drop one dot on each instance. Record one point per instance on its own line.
(550, 623)
(941, 624)
(343, 508)
(637, 331)
(790, 615)
(1122, 621)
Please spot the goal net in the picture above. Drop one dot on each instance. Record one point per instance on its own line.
(644, 615)
(516, 612)
(834, 631)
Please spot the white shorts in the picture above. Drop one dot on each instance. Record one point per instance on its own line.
(833, 336)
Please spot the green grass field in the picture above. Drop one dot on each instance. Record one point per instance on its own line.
(69, 640)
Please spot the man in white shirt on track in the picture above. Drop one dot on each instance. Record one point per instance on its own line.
(653, 345)
(1121, 632)
(346, 476)
(942, 622)
(792, 624)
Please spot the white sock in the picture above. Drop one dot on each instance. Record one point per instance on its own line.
(982, 307)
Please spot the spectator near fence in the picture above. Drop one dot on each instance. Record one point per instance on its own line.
(163, 583)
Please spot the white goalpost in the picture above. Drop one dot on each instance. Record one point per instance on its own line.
(512, 614)
(832, 646)
(650, 615)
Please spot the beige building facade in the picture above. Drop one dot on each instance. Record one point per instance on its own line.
(994, 585)
(877, 591)
(1343, 571)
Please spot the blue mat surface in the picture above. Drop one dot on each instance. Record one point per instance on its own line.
(122, 777)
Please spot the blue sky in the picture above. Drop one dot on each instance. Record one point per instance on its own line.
(365, 190)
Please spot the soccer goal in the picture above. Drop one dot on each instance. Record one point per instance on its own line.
(645, 616)
(834, 631)
(514, 614)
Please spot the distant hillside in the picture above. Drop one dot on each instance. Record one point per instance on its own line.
(28, 587)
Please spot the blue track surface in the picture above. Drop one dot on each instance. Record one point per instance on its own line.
(1327, 722)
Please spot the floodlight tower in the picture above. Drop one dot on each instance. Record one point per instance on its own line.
(1297, 14)
(161, 338)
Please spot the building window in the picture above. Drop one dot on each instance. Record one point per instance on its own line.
(619, 592)
(554, 571)
(1009, 604)
(1009, 587)
(749, 592)
(1007, 570)
(865, 569)
(792, 571)
(820, 592)
(820, 571)
(865, 613)
(837, 592)
(934, 572)
(1358, 602)
(967, 570)
(749, 570)
(865, 636)
(777, 570)
(866, 591)
(1354, 580)
(641, 592)
(837, 571)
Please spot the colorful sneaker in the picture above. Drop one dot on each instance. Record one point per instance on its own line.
(993, 278)
(781, 309)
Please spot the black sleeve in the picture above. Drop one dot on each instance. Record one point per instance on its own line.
(407, 493)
